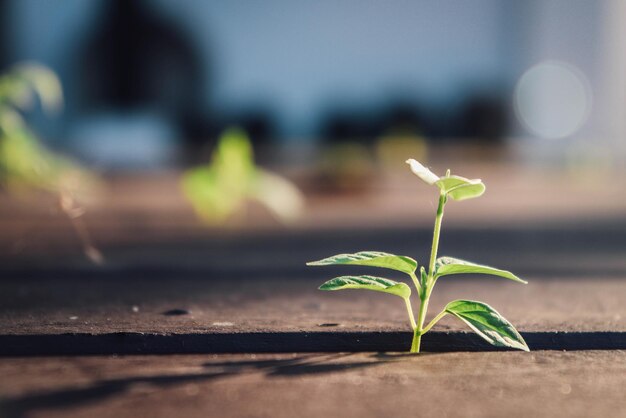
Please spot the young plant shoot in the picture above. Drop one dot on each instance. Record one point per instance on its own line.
(221, 188)
(480, 317)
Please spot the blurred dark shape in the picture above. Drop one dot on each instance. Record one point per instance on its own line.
(259, 125)
(403, 134)
(350, 126)
(346, 167)
(481, 118)
(5, 38)
(258, 122)
(392, 150)
(404, 118)
(134, 59)
(358, 142)
(485, 118)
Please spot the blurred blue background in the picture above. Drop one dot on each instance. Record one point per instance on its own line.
(162, 77)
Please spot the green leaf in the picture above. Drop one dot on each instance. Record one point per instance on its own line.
(488, 323)
(457, 187)
(446, 184)
(377, 284)
(460, 188)
(469, 191)
(372, 259)
(448, 265)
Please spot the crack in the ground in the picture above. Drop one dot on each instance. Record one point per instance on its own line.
(287, 342)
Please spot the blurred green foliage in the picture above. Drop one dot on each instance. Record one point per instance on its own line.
(221, 188)
(24, 162)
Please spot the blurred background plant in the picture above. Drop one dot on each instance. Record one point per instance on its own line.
(26, 165)
(223, 187)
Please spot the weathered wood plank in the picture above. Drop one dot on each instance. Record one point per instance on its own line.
(512, 384)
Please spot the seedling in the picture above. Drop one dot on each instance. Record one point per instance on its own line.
(221, 188)
(25, 163)
(480, 317)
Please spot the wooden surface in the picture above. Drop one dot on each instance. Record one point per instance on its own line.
(144, 208)
(288, 305)
(562, 231)
(512, 384)
(259, 281)
(260, 284)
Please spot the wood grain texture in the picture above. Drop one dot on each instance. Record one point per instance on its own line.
(512, 384)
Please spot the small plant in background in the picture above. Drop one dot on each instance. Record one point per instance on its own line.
(480, 317)
(221, 188)
(25, 163)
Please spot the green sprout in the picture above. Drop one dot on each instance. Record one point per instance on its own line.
(480, 317)
(221, 188)
(25, 163)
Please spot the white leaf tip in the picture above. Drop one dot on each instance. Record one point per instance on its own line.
(422, 172)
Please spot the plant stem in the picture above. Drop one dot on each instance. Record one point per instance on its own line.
(428, 286)
(417, 340)
(436, 232)
(416, 282)
(418, 331)
(434, 321)
(410, 311)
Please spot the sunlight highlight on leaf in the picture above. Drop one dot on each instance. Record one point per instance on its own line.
(449, 265)
(372, 259)
(377, 284)
(488, 323)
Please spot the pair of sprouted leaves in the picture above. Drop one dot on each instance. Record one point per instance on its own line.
(480, 317)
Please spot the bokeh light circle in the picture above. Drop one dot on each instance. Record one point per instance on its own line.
(552, 99)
